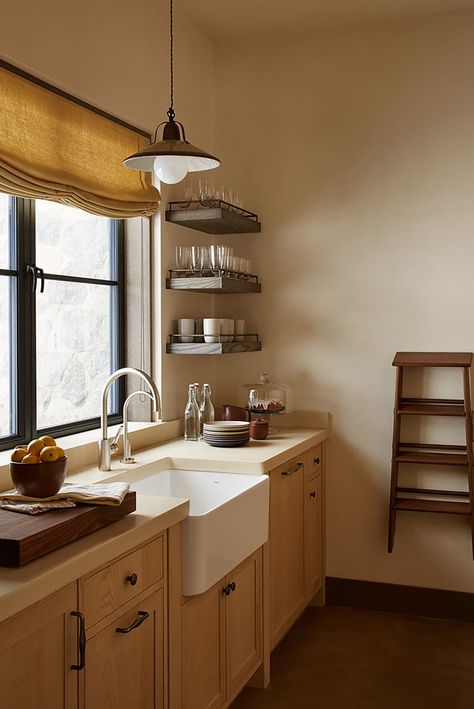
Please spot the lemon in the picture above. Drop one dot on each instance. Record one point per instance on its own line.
(47, 440)
(35, 446)
(18, 454)
(49, 454)
(30, 458)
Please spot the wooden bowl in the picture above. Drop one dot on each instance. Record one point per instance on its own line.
(39, 479)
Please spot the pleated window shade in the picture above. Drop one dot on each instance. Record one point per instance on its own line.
(52, 148)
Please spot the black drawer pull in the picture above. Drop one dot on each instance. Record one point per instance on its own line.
(142, 616)
(132, 579)
(312, 494)
(292, 470)
(317, 461)
(81, 642)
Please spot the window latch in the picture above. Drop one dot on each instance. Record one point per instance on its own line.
(36, 274)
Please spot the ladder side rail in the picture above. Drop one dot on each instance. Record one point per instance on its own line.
(395, 449)
(468, 426)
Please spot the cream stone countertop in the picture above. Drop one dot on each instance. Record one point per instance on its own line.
(21, 587)
(257, 457)
(24, 586)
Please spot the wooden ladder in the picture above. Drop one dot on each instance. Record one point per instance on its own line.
(461, 456)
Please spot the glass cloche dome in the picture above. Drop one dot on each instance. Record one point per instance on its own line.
(267, 397)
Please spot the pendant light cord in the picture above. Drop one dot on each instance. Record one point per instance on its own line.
(171, 59)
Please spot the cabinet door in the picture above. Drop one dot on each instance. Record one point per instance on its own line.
(314, 533)
(287, 566)
(37, 649)
(203, 650)
(243, 623)
(125, 668)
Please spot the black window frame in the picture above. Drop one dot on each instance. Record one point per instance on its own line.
(22, 238)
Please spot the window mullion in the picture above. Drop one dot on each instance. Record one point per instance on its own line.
(26, 337)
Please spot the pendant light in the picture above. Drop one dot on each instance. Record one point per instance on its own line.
(172, 157)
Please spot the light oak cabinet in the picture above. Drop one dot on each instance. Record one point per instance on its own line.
(243, 617)
(221, 637)
(123, 608)
(37, 650)
(296, 539)
(203, 650)
(314, 538)
(287, 547)
(125, 660)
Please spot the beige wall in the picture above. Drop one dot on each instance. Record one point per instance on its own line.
(115, 55)
(357, 149)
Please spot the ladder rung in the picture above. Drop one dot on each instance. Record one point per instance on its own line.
(433, 446)
(423, 400)
(432, 359)
(431, 407)
(426, 491)
(432, 458)
(440, 506)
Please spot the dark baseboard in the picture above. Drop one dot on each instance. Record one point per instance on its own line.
(411, 600)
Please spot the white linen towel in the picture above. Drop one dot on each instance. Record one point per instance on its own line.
(68, 496)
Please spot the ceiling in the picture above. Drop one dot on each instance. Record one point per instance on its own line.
(231, 20)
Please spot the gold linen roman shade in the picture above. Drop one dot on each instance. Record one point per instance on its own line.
(52, 148)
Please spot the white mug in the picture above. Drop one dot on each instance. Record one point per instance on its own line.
(212, 329)
(227, 329)
(240, 328)
(230, 330)
(186, 326)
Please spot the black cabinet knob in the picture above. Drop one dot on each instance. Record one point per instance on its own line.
(312, 494)
(132, 579)
(226, 589)
(317, 461)
(232, 586)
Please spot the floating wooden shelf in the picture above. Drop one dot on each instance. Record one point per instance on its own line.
(250, 344)
(214, 284)
(220, 218)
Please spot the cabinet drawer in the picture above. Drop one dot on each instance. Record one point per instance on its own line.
(315, 460)
(291, 467)
(108, 589)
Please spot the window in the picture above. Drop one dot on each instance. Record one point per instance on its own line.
(61, 318)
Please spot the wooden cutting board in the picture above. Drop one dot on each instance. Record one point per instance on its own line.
(27, 537)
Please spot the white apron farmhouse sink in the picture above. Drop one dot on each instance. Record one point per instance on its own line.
(228, 519)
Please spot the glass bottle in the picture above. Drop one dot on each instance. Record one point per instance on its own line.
(191, 416)
(206, 410)
(198, 392)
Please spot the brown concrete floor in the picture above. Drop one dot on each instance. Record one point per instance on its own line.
(345, 658)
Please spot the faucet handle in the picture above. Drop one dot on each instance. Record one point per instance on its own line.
(114, 442)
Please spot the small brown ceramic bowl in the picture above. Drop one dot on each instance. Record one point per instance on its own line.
(258, 430)
(39, 479)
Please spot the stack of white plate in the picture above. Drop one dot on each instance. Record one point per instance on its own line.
(226, 434)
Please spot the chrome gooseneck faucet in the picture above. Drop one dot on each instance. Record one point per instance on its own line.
(104, 443)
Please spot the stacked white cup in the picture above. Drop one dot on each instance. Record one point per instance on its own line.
(227, 328)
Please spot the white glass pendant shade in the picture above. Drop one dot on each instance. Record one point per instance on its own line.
(196, 164)
(170, 168)
(171, 160)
